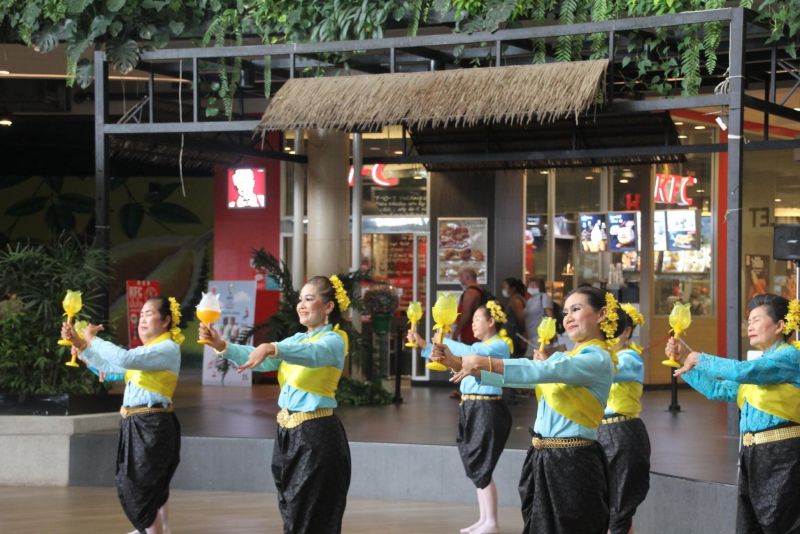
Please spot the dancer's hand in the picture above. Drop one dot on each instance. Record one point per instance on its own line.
(413, 337)
(90, 332)
(259, 354)
(210, 334)
(689, 363)
(540, 356)
(441, 353)
(678, 349)
(68, 332)
(472, 366)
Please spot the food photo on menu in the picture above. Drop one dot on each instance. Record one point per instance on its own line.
(682, 230)
(462, 243)
(622, 231)
(594, 235)
(660, 231)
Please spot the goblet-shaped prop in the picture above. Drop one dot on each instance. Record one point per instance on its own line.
(80, 327)
(444, 313)
(208, 311)
(546, 331)
(72, 304)
(679, 320)
(414, 314)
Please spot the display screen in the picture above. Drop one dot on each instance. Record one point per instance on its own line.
(594, 232)
(682, 230)
(246, 188)
(622, 231)
(659, 231)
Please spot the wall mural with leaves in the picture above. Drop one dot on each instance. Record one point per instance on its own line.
(652, 61)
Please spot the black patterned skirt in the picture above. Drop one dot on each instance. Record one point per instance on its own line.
(565, 491)
(483, 429)
(627, 448)
(769, 488)
(311, 467)
(148, 452)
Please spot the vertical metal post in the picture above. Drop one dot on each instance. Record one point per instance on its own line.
(298, 213)
(551, 227)
(498, 53)
(611, 48)
(399, 352)
(101, 190)
(358, 163)
(195, 90)
(392, 60)
(150, 92)
(733, 313)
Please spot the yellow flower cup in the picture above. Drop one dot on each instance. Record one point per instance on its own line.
(414, 314)
(679, 320)
(444, 313)
(72, 304)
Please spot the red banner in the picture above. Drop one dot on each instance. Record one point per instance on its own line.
(138, 292)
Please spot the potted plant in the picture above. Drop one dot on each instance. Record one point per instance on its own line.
(380, 301)
(33, 280)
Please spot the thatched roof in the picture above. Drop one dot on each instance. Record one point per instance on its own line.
(463, 97)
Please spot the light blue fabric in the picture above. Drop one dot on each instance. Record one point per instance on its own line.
(325, 351)
(719, 378)
(495, 347)
(591, 367)
(104, 356)
(630, 368)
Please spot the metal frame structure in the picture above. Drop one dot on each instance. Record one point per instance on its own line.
(503, 47)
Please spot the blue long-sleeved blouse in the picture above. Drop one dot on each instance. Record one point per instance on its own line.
(590, 367)
(325, 351)
(719, 379)
(494, 347)
(106, 357)
(630, 368)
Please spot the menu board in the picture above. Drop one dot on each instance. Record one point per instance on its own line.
(687, 261)
(622, 231)
(393, 201)
(659, 231)
(390, 257)
(594, 236)
(682, 230)
(462, 243)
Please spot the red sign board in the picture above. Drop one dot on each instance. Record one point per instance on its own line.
(672, 189)
(138, 292)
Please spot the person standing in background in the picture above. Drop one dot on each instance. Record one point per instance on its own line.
(539, 305)
(469, 301)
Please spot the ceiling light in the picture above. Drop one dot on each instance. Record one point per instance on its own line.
(623, 180)
(288, 148)
(374, 148)
(796, 109)
(544, 172)
(699, 190)
(699, 127)
(590, 177)
(778, 200)
(679, 123)
(5, 122)
(683, 137)
(398, 152)
(4, 73)
(291, 152)
(5, 118)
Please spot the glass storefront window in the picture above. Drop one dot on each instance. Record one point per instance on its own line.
(536, 224)
(578, 190)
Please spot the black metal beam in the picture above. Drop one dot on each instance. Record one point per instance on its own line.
(665, 104)
(181, 127)
(769, 107)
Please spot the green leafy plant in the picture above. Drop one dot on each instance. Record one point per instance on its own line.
(154, 205)
(33, 281)
(380, 300)
(357, 393)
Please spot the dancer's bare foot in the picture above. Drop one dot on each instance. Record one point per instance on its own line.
(473, 527)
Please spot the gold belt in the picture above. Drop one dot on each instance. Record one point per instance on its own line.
(292, 420)
(768, 436)
(141, 410)
(560, 443)
(479, 397)
(616, 419)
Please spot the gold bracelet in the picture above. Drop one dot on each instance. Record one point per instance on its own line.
(490, 364)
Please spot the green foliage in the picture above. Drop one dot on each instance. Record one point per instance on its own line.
(154, 205)
(36, 277)
(356, 393)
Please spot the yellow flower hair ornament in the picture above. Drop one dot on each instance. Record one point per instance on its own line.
(175, 311)
(609, 324)
(792, 317)
(496, 311)
(503, 335)
(635, 315)
(340, 293)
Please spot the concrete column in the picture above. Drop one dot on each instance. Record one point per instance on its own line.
(299, 211)
(509, 226)
(328, 203)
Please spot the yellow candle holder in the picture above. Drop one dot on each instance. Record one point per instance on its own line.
(80, 327)
(72, 304)
(414, 314)
(208, 311)
(679, 320)
(444, 313)
(546, 331)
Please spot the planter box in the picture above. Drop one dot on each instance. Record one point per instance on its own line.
(64, 404)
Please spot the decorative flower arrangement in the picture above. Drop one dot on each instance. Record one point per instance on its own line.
(380, 300)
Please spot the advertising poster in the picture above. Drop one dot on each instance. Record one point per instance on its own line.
(238, 302)
(594, 234)
(462, 243)
(138, 292)
(756, 275)
(246, 188)
(682, 230)
(659, 231)
(622, 231)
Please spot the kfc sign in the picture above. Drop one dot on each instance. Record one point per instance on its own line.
(376, 173)
(672, 189)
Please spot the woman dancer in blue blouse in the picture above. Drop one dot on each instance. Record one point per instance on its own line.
(311, 456)
(149, 445)
(768, 393)
(484, 420)
(622, 433)
(564, 482)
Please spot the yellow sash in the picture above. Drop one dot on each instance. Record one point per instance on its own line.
(576, 403)
(317, 380)
(780, 400)
(160, 382)
(625, 398)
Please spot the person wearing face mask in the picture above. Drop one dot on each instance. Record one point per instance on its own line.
(148, 449)
(564, 482)
(767, 391)
(311, 455)
(539, 305)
